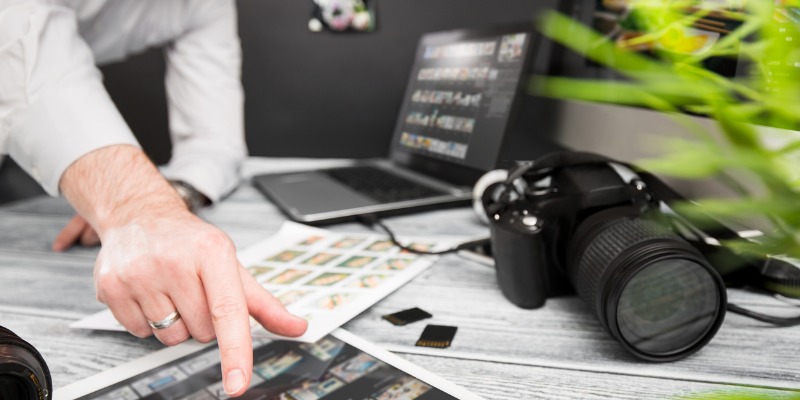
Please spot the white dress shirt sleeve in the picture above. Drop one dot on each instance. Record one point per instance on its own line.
(206, 101)
(53, 106)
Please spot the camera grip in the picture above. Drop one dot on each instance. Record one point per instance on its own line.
(520, 265)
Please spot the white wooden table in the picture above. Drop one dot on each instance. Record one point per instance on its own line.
(500, 351)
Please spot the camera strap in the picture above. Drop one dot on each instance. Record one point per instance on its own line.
(661, 191)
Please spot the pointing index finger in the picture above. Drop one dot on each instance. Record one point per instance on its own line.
(229, 314)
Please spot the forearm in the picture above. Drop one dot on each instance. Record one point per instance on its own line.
(113, 185)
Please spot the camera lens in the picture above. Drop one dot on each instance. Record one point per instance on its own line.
(668, 306)
(651, 290)
(23, 372)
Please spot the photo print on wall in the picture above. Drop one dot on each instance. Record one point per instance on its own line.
(342, 16)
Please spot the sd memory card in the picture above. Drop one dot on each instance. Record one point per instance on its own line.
(407, 316)
(438, 336)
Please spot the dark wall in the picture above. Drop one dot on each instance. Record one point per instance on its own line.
(307, 94)
(137, 87)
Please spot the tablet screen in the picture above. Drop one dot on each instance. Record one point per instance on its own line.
(282, 370)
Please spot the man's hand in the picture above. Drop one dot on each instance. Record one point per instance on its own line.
(158, 264)
(76, 231)
(157, 258)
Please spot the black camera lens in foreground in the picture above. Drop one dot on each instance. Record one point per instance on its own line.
(23, 372)
(651, 290)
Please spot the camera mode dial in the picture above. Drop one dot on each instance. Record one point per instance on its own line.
(524, 221)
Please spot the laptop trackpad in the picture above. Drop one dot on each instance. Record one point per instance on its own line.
(313, 192)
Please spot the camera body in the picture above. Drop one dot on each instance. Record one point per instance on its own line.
(580, 227)
(529, 236)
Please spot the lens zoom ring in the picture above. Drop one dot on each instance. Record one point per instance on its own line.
(608, 244)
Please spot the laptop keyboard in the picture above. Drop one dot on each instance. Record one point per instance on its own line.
(381, 185)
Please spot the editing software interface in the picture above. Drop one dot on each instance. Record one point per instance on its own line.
(460, 97)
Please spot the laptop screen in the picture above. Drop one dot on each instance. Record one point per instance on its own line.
(460, 96)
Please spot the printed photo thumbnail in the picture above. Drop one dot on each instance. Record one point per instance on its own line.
(328, 279)
(333, 301)
(368, 281)
(258, 271)
(356, 367)
(289, 276)
(277, 365)
(357, 262)
(405, 388)
(380, 246)
(325, 349)
(312, 390)
(285, 256)
(347, 243)
(394, 264)
(321, 258)
(292, 296)
(311, 240)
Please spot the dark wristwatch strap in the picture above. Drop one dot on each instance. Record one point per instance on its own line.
(194, 199)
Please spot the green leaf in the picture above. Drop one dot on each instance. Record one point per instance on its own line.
(738, 133)
(585, 41)
(664, 96)
(738, 394)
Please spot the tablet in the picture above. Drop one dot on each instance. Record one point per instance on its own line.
(338, 366)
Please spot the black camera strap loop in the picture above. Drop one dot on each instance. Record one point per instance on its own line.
(518, 171)
(660, 190)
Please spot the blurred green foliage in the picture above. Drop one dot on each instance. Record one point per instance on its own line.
(664, 65)
(738, 396)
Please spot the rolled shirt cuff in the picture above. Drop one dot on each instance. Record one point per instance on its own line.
(212, 173)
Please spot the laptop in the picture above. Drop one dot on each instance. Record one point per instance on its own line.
(464, 88)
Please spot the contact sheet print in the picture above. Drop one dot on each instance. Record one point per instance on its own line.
(338, 366)
(325, 277)
(329, 278)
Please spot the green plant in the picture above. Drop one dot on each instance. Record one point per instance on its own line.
(665, 63)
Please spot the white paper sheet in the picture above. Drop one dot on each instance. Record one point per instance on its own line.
(325, 277)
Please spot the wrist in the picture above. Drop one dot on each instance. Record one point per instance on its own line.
(193, 199)
(117, 186)
(163, 205)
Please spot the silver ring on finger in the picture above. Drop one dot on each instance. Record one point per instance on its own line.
(165, 323)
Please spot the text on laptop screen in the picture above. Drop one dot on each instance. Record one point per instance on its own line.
(460, 96)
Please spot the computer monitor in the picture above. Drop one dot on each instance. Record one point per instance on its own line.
(463, 91)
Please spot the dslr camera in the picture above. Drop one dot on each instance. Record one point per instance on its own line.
(571, 223)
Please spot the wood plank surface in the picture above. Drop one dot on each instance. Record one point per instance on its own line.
(500, 351)
(73, 355)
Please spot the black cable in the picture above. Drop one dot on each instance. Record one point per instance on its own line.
(371, 220)
(779, 321)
